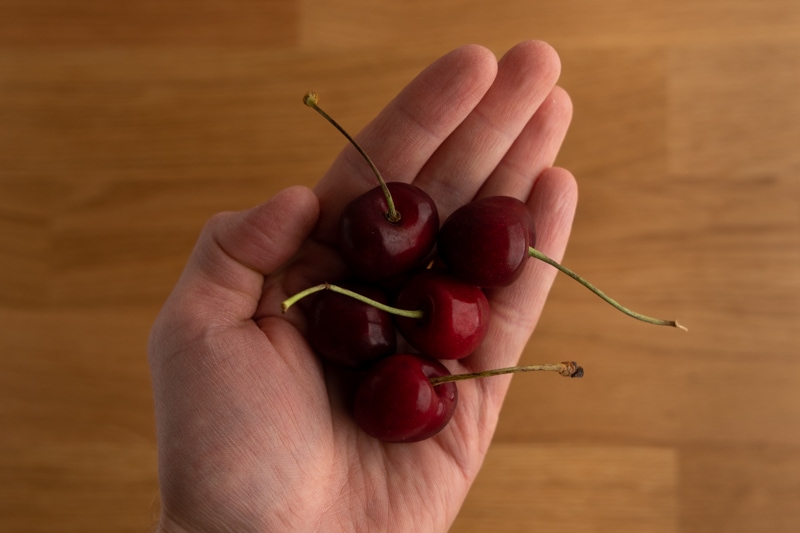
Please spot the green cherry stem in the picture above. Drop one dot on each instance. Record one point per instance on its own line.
(569, 369)
(644, 318)
(312, 100)
(286, 304)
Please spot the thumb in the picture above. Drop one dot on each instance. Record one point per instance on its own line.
(225, 273)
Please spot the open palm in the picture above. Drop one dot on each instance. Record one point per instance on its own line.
(254, 433)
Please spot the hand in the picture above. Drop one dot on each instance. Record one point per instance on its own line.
(253, 431)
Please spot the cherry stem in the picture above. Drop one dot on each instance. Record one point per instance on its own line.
(569, 369)
(286, 304)
(644, 318)
(312, 100)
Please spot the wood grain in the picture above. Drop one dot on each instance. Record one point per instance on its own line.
(126, 125)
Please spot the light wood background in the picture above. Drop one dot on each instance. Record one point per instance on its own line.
(125, 125)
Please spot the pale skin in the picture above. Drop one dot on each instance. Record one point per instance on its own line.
(254, 433)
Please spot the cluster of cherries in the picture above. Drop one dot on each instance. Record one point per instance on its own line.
(434, 280)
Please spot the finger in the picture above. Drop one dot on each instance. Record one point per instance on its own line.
(534, 150)
(526, 76)
(405, 134)
(234, 252)
(516, 309)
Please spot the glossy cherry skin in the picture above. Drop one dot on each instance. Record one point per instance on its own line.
(456, 315)
(396, 402)
(347, 332)
(486, 242)
(375, 248)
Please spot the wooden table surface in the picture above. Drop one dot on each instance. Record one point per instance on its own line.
(125, 125)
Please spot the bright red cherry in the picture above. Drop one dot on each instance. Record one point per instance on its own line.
(437, 314)
(396, 402)
(455, 315)
(348, 332)
(487, 241)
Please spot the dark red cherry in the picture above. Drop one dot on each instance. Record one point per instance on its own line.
(347, 332)
(396, 402)
(376, 248)
(486, 242)
(456, 315)
(387, 230)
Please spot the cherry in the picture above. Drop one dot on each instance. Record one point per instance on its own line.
(376, 249)
(486, 242)
(408, 397)
(437, 314)
(387, 230)
(396, 401)
(455, 315)
(348, 332)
